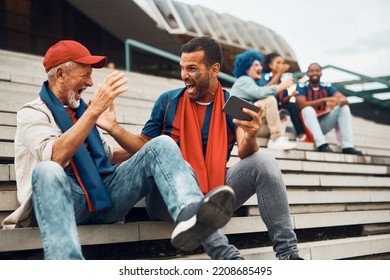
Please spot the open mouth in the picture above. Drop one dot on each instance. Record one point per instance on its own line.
(77, 96)
(315, 78)
(190, 87)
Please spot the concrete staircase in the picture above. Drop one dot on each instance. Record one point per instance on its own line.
(340, 204)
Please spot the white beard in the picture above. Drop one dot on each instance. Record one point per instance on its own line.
(73, 103)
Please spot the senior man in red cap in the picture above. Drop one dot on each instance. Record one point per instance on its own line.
(67, 173)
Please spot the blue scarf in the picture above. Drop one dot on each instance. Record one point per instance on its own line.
(87, 167)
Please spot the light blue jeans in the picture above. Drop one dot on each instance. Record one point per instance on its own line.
(257, 174)
(339, 118)
(60, 204)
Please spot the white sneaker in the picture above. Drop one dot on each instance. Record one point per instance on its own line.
(281, 143)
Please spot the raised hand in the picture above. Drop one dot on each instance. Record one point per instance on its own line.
(331, 102)
(108, 90)
(286, 83)
(284, 68)
(107, 120)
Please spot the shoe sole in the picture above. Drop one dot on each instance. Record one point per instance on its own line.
(215, 213)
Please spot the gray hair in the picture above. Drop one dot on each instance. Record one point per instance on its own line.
(67, 66)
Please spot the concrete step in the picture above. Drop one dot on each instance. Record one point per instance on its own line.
(312, 166)
(7, 150)
(372, 137)
(334, 181)
(29, 238)
(307, 151)
(8, 198)
(326, 167)
(135, 125)
(7, 133)
(7, 173)
(321, 250)
(371, 141)
(314, 220)
(334, 195)
(8, 119)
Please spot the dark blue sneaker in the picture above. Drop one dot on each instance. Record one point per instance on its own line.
(198, 221)
(325, 149)
(352, 151)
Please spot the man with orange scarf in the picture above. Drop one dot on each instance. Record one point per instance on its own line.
(193, 117)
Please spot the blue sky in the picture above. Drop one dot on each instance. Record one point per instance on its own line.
(352, 34)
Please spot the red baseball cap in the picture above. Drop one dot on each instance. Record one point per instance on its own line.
(68, 50)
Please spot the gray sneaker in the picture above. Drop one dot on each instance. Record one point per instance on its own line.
(198, 221)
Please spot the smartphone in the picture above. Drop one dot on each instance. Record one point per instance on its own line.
(234, 105)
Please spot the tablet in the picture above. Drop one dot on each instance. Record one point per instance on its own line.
(234, 105)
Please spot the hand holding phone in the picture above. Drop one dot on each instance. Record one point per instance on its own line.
(234, 105)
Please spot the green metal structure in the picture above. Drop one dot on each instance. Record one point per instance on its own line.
(366, 95)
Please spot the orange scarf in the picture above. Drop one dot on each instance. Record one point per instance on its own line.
(210, 172)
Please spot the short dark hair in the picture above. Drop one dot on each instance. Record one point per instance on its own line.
(314, 63)
(268, 60)
(212, 49)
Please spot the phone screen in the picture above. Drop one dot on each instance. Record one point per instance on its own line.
(234, 105)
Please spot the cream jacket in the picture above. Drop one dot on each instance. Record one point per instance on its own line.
(35, 135)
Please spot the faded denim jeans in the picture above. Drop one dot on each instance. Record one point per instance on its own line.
(339, 118)
(59, 202)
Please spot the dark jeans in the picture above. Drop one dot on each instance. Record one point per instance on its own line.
(292, 108)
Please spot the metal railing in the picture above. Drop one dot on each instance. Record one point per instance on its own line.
(366, 95)
(362, 77)
(129, 43)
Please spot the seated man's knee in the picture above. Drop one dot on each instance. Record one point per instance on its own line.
(263, 158)
(163, 140)
(270, 101)
(47, 171)
(345, 109)
(309, 112)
